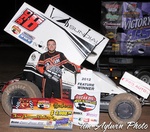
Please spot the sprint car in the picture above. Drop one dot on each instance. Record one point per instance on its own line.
(122, 104)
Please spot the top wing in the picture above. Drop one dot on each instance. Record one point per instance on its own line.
(77, 41)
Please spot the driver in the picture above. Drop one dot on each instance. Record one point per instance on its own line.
(50, 64)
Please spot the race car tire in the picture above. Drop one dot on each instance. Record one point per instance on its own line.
(144, 76)
(124, 108)
(19, 89)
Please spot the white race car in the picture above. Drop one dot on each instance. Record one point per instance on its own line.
(122, 104)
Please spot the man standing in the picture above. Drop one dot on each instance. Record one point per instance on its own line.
(50, 65)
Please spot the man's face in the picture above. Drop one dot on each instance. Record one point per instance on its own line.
(51, 45)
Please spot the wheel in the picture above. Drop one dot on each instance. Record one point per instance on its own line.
(144, 76)
(124, 108)
(19, 89)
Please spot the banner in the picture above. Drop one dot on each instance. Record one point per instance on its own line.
(86, 96)
(127, 26)
(44, 113)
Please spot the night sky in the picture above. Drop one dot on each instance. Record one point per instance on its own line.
(87, 12)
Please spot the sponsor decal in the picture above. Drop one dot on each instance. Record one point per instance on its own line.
(112, 17)
(43, 104)
(112, 7)
(131, 11)
(136, 85)
(85, 102)
(62, 121)
(91, 114)
(33, 57)
(26, 37)
(15, 29)
(29, 20)
(23, 103)
(111, 24)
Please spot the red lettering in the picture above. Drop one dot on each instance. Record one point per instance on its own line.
(31, 23)
(29, 20)
(26, 14)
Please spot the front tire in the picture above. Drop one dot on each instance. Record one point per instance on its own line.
(19, 89)
(124, 108)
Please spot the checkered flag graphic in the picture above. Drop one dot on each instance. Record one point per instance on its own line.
(31, 104)
(129, 46)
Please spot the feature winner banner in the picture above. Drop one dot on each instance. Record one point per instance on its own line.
(44, 113)
(34, 28)
(86, 96)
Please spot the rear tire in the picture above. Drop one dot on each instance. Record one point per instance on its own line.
(124, 108)
(144, 76)
(19, 89)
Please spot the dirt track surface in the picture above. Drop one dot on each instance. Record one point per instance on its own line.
(12, 61)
